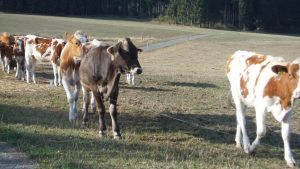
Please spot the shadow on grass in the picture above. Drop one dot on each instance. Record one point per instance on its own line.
(67, 151)
(145, 89)
(44, 75)
(216, 129)
(196, 85)
(34, 116)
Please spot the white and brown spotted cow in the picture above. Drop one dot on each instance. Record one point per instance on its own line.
(43, 50)
(269, 84)
(56, 48)
(36, 48)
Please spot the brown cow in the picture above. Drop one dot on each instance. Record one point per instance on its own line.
(19, 56)
(6, 50)
(100, 72)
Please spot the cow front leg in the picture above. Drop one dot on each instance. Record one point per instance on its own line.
(101, 112)
(260, 127)
(59, 76)
(93, 103)
(54, 73)
(28, 67)
(85, 106)
(33, 72)
(76, 96)
(18, 70)
(285, 132)
(7, 65)
(114, 121)
(71, 100)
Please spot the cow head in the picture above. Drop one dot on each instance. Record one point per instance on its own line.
(7, 39)
(56, 47)
(18, 47)
(291, 74)
(76, 45)
(125, 56)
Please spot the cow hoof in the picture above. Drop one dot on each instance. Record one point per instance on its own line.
(239, 146)
(291, 165)
(117, 137)
(102, 134)
(85, 124)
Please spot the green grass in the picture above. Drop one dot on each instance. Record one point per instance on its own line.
(176, 118)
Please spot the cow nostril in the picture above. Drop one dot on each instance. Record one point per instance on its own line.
(139, 71)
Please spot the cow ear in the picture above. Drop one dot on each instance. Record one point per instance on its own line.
(111, 51)
(279, 69)
(140, 50)
(67, 36)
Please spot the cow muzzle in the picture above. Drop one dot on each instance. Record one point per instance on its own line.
(77, 60)
(136, 70)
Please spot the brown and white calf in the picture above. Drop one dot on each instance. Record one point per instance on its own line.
(268, 84)
(36, 48)
(6, 50)
(43, 50)
(100, 72)
(56, 48)
(69, 67)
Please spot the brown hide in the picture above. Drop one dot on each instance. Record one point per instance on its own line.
(284, 85)
(73, 48)
(57, 51)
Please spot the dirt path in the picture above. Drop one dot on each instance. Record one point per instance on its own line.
(10, 158)
(174, 41)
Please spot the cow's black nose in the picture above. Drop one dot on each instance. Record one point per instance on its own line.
(139, 71)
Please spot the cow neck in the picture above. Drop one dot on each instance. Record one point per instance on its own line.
(113, 78)
(67, 61)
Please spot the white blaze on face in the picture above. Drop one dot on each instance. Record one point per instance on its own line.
(81, 37)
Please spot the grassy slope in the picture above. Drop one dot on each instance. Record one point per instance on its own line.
(184, 82)
(101, 28)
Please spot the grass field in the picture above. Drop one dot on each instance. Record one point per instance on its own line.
(176, 118)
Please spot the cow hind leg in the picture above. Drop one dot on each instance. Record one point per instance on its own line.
(101, 111)
(240, 115)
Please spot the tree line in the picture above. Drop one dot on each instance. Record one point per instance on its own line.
(268, 15)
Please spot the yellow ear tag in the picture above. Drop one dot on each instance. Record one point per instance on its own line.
(281, 73)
